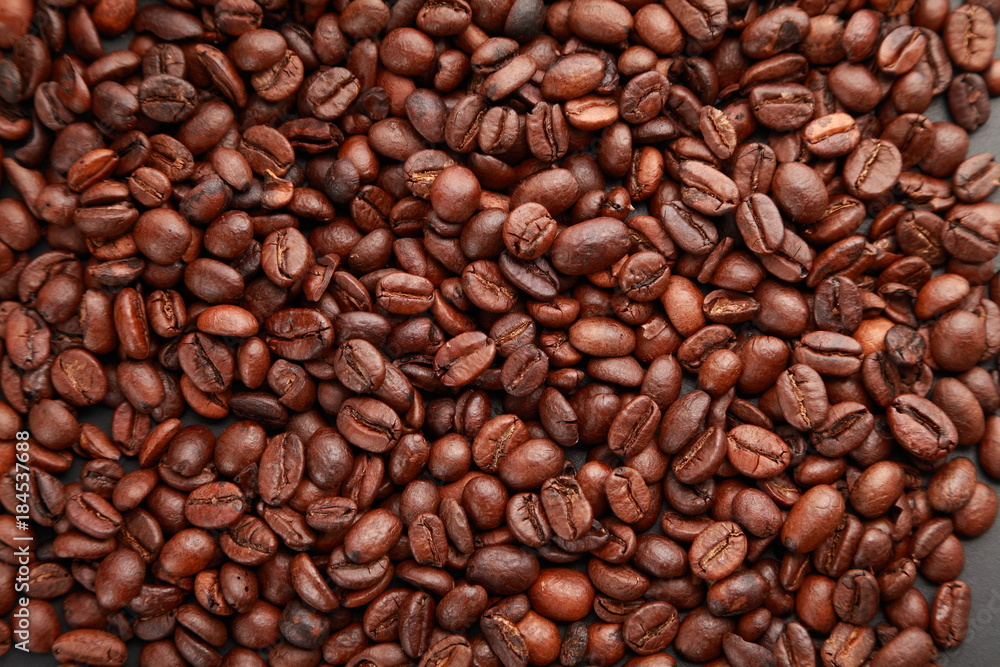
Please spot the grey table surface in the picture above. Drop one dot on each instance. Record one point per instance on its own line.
(982, 569)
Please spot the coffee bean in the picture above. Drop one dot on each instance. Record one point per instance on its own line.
(330, 93)
(369, 424)
(718, 550)
(782, 106)
(215, 505)
(856, 596)
(589, 246)
(568, 511)
(802, 397)
(849, 642)
(90, 645)
(689, 229)
(502, 569)
(950, 614)
(166, 98)
(529, 231)
(650, 628)
(359, 366)
(463, 358)
(281, 467)
(872, 168)
(921, 427)
(760, 223)
(974, 53)
(814, 516)
(706, 189)
(371, 536)
(701, 457)
(911, 645)
(756, 452)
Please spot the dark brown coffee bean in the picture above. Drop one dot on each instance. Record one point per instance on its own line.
(717, 551)
(589, 246)
(814, 516)
(782, 106)
(371, 536)
(166, 98)
(529, 231)
(974, 51)
(802, 397)
(950, 614)
(701, 20)
(760, 223)
(872, 168)
(91, 646)
(330, 93)
(650, 628)
(502, 569)
(628, 496)
(856, 596)
(798, 190)
(829, 353)
(701, 457)
(568, 511)
(359, 366)
(369, 424)
(463, 358)
(281, 466)
(911, 645)
(633, 428)
(921, 427)
(952, 486)
(524, 371)
(689, 229)
(215, 505)
(506, 639)
(706, 189)
(756, 452)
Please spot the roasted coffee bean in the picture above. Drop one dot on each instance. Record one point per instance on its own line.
(967, 101)
(90, 645)
(689, 229)
(460, 360)
(756, 452)
(651, 627)
(812, 518)
(166, 98)
(280, 469)
(502, 569)
(921, 427)
(911, 645)
(566, 508)
(506, 639)
(589, 246)
(950, 614)
(369, 424)
(706, 189)
(359, 366)
(738, 593)
(974, 52)
(856, 596)
(717, 551)
(760, 223)
(802, 397)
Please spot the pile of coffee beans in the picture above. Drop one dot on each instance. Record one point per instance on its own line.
(495, 332)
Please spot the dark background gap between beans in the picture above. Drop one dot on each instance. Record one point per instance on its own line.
(981, 648)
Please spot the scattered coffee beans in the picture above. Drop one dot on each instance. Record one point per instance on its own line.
(495, 332)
